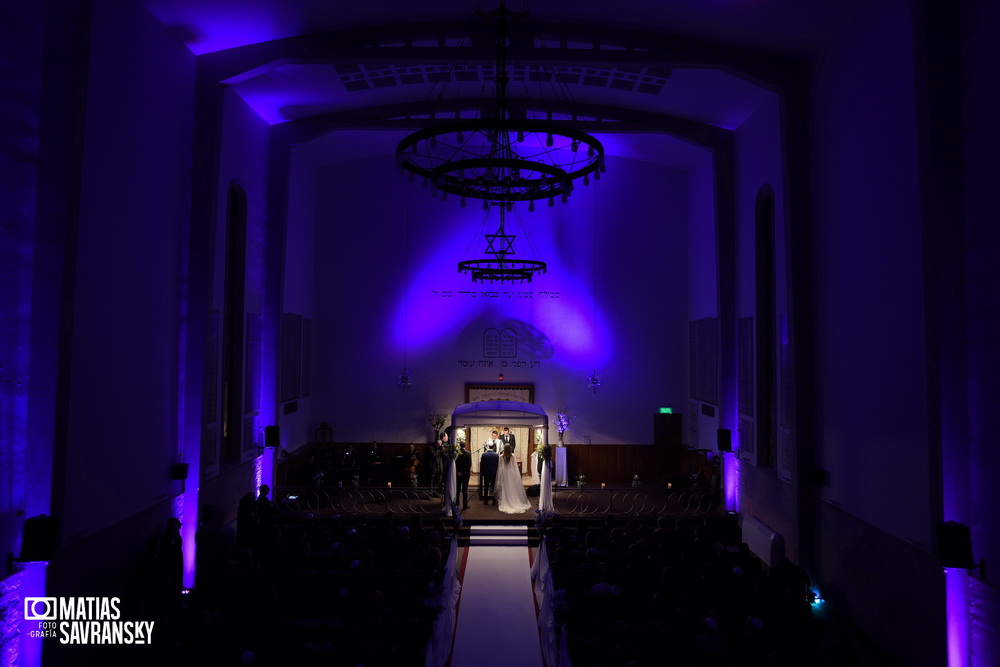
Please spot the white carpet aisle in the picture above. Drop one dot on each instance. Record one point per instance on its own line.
(496, 624)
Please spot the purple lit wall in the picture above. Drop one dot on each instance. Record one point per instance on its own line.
(243, 162)
(635, 334)
(18, 189)
(298, 281)
(872, 392)
(123, 396)
(17, 647)
(978, 499)
(703, 271)
(765, 491)
(872, 400)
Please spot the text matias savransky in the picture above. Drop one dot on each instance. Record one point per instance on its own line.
(85, 620)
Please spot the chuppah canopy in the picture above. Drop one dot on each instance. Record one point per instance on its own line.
(493, 412)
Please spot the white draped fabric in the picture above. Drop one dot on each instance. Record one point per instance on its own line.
(444, 628)
(553, 634)
(545, 490)
(450, 485)
(561, 476)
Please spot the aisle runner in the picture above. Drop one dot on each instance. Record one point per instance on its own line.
(497, 625)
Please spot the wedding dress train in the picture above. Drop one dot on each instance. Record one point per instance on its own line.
(510, 495)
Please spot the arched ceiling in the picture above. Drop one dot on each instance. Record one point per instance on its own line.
(790, 27)
(689, 68)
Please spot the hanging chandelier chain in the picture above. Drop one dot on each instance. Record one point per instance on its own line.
(500, 159)
(518, 159)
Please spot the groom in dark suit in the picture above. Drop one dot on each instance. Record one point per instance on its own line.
(488, 463)
(463, 470)
(508, 439)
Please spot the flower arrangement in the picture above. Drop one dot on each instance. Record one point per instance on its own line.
(635, 481)
(436, 421)
(562, 420)
(451, 449)
(580, 481)
(543, 450)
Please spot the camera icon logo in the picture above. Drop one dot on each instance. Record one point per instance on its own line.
(40, 609)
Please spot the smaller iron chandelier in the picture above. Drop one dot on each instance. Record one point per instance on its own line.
(500, 269)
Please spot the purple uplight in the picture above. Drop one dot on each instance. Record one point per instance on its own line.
(266, 105)
(731, 480)
(19, 648)
(264, 467)
(185, 508)
(258, 473)
(559, 306)
(957, 616)
(219, 28)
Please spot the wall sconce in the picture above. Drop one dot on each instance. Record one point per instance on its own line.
(500, 377)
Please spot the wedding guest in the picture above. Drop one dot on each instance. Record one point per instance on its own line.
(463, 470)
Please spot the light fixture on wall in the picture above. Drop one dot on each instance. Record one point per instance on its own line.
(495, 156)
(594, 381)
(405, 380)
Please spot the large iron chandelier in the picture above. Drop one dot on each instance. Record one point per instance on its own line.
(496, 157)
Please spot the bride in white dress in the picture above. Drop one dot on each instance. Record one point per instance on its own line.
(511, 498)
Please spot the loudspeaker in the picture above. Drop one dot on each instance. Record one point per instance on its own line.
(179, 471)
(271, 438)
(724, 440)
(39, 539)
(955, 545)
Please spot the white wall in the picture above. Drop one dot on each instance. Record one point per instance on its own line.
(366, 321)
(243, 161)
(869, 330)
(124, 380)
(297, 427)
(766, 492)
